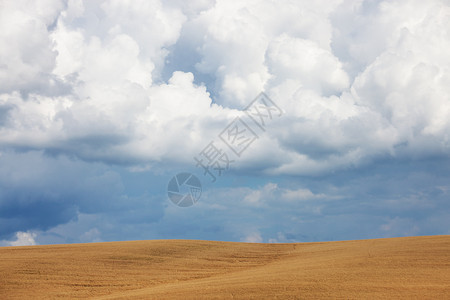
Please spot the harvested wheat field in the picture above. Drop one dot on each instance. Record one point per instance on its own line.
(412, 267)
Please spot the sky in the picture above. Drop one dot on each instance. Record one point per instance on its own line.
(102, 103)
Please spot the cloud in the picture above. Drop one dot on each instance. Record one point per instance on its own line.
(400, 227)
(28, 58)
(39, 192)
(301, 194)
(253, 238)
(257, 195)
(22, 239)
(316, 68)
(282, 238)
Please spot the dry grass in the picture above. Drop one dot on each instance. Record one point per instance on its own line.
(408, 268)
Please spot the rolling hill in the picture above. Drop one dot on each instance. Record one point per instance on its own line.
(408, 268)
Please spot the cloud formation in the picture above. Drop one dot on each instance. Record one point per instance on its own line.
(95, 75)
(144, 85)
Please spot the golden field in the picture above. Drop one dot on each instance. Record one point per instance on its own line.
(406, 268)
